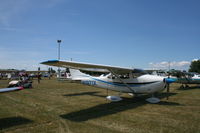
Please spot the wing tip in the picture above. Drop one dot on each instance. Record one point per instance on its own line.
(20, 88)
(49, 61)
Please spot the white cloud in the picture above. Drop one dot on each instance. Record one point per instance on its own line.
(12, 58)
(172, 65)
(195, 59)
(28, 58)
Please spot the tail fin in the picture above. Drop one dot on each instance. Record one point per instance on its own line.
(77, 74)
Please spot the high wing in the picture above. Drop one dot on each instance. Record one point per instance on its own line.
(79, 65)
(10, 89)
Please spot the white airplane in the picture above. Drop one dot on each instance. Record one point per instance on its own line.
(196, 77)
(121, 79)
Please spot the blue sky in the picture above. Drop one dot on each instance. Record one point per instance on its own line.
(131, 33)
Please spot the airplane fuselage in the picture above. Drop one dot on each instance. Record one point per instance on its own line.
(142, 84)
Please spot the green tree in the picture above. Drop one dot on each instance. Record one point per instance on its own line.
(195, 66)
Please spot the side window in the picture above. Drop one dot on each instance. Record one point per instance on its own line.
(111, 77)
(125, 76)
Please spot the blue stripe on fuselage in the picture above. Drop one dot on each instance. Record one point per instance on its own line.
(122, 84)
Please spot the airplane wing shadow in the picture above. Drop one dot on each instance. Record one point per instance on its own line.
(93, 93)
(101, 110)
(108, 109)
(13, 121)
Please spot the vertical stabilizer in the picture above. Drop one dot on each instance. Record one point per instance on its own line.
(77, 74)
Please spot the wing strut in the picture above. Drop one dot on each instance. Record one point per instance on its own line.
(122, 81)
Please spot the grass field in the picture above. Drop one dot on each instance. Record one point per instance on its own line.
(63, 107)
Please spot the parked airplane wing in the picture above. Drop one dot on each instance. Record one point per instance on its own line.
(10, 89)
(79, 65)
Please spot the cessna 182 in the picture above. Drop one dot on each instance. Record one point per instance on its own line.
(121, 79)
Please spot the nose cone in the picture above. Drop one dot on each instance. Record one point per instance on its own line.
(170, 80)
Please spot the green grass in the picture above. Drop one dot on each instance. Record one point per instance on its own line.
(61, 107)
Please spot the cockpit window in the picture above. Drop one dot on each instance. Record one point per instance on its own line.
(124, 76)
(112, 76)
(138, 72)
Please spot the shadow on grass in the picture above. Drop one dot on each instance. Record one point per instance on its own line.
(94, 93)
(189, 88)
(102, 110)
(111, 108)
(169, 103)
(13, 121)
(165, 95)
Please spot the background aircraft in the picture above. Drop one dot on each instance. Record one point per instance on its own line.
(121, 79)
(187, 78)
(184, 78)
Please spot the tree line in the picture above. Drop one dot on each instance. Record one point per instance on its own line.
(195, 66)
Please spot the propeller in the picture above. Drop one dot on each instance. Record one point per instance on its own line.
(168, 86)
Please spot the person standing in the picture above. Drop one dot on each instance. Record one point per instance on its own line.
(39, 77)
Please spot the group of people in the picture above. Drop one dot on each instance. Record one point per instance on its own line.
(27, 77)
(22, 76)
(6, 75)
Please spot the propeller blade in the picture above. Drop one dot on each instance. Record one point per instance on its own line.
(168, 87)
(168, 81)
